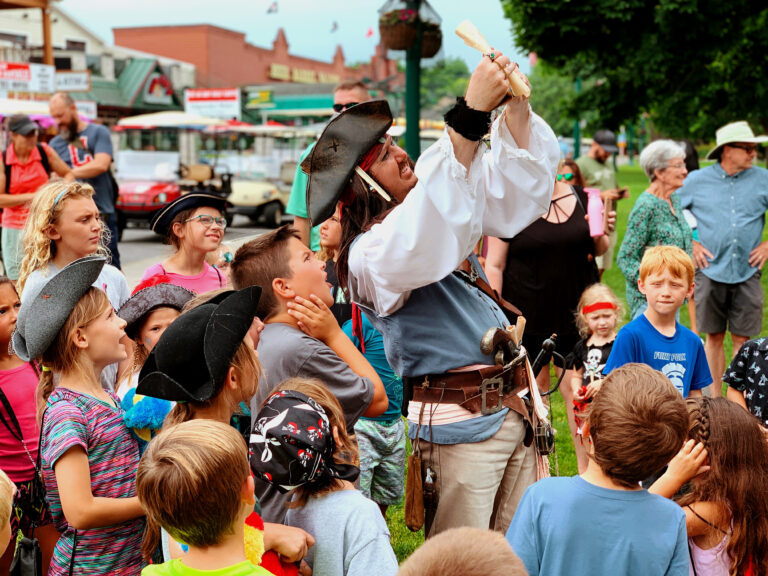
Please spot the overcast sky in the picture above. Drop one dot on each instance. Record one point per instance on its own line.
(307, 23)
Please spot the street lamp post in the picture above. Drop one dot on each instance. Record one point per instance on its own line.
(413, 89)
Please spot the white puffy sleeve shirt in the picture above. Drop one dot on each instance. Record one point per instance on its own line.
(436, 227)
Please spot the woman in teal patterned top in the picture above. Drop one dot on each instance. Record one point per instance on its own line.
(656, 218)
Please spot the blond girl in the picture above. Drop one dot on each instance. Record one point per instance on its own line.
(64, 225)
(89, 458)
(597, 319)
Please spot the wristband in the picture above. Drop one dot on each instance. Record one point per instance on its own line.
(470, 123)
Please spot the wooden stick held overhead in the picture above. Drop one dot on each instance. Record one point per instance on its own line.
(472, 38)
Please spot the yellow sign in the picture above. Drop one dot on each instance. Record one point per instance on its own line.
(302, 75)
(259, 99)
(280, 72)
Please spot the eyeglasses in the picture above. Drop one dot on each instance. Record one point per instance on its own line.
(567, 177)
(678, 165)
(208, 220)
(342, 107)
(749, 148)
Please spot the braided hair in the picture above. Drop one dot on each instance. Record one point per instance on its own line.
(737, 479)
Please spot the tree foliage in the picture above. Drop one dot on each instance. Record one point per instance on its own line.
(442, 83)
(692, 65)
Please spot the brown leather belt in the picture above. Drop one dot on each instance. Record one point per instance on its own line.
(485, 390)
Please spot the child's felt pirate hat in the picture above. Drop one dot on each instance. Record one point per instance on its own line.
(42, 317)
(192, 357)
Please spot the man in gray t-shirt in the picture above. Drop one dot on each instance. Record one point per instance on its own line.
(87, 149)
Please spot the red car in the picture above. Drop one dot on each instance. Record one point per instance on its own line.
(139, 200)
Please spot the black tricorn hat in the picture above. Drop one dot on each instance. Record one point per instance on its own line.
(192, 357)
(162, 220)
(339, 149)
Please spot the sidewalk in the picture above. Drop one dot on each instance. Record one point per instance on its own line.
(134, 270)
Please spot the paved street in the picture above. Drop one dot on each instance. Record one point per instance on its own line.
(141, 248)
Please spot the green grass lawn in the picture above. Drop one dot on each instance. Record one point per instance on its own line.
(564, 462)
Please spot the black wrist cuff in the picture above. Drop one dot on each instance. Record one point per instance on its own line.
(468, 122)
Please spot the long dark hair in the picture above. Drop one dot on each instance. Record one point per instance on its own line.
(361, 208)
(737, 479)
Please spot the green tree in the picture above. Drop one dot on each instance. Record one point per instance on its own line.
(442, 83)
(554, 98)
(692, 65)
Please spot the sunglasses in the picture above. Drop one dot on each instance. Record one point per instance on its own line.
(745, 147)
(567, 177)
(208, 221)
(342, 107)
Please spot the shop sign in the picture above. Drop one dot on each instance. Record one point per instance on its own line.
(87, 108)
(280, 72)
(21, 77)
(69, 81)
(259, 99)
(158, 89)
(303, 75)
(221, 103)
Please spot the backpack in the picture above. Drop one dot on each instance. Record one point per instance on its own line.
(43, 160)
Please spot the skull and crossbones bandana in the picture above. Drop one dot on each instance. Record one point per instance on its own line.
(292, 444)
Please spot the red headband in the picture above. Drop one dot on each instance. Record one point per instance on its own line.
(370, 157)
(598, 306)
(348, 196)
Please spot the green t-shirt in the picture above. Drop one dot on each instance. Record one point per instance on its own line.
(297, 203)
(596, 174)
(178, 568)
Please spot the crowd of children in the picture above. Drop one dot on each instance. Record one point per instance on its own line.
(124, 410)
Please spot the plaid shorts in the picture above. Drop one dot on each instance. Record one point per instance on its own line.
(382, 459)
(25, 511)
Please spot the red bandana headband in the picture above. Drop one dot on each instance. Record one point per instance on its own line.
(598, 306)
(348, 197)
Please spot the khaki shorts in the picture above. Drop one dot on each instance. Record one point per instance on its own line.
(737, 308)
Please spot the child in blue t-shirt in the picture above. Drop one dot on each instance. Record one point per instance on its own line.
(656, 338)
(637, 423)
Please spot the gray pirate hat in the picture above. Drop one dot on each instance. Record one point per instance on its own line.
(339, 149)
(161, 294)
(42, 317)
(191, 359)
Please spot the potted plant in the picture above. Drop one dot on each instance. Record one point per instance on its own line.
(397, 28)
(431, 39)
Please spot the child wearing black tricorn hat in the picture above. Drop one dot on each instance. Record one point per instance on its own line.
(194, 224)
(205, 362)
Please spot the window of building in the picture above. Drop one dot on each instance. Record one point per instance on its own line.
(75, 46)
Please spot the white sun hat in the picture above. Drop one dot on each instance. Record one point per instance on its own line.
(734, 132)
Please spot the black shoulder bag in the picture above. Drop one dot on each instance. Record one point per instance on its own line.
(28, 559)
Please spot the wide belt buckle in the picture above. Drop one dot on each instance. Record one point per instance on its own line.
(494, 383)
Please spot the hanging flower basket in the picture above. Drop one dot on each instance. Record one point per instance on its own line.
(397, 29)
(431, 40)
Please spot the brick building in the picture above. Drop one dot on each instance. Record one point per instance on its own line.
(223, 58)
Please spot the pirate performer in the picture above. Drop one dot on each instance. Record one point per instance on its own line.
(406, 256)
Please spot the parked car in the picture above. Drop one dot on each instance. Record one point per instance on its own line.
(258, 198)
(139, 200)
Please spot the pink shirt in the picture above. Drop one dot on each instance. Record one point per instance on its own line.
(19, 385)
(25, 178)
(209, 279)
